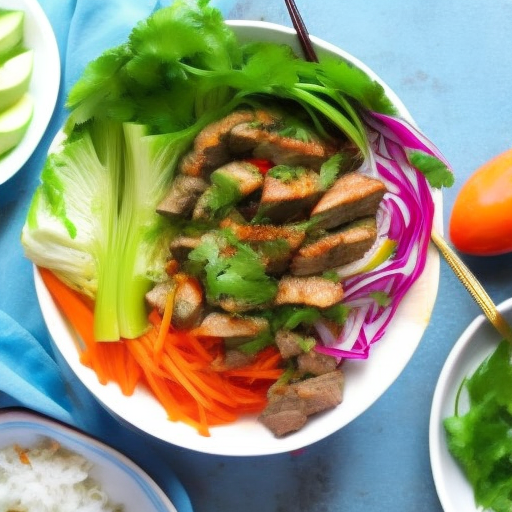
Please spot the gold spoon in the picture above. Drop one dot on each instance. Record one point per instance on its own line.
(466, 277)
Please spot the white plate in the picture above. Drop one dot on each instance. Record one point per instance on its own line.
(366, 380)
(477, 342)
(44, 85)
(123, 481)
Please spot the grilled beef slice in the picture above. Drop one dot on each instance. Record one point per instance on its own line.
(335, 248)
(188, 300)
(211, 146)
(322, 392)
(288, 343)
(315, 363)
(182, 196)
(351, 197)
(284, 200)
(274, 244)
(227, 326)
(181, 246)
(290, 405)
(244, 177)
(270, 145)
(284, 413)
(309, 291)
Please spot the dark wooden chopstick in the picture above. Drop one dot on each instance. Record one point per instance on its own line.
(302, 31)
(461, 271)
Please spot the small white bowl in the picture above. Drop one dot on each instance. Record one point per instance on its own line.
(477, 342)
(365, 380)
(44, 85)
(123, 481)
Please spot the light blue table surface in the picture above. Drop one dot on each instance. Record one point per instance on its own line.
(451, 64)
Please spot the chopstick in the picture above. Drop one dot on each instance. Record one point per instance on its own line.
(302, 32)
(470, 282)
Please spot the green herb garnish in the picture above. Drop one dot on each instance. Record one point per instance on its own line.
(436, 172)
(480, 440)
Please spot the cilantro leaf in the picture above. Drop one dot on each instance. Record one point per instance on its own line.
(480, 439)
(436, 172)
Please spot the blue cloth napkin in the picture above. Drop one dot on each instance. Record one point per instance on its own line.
(30, 376)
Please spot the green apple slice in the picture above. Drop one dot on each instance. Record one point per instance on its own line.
(14, 122)
(15, 78)
(11, 29)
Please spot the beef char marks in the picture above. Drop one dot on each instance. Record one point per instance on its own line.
(289, 194)
(334, 249)
(211, 146)
(263, 142)
(352, 196)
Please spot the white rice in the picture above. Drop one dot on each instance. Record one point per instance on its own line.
(48, 478)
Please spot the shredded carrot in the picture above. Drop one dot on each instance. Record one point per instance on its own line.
(111, 361)
(75, 310)
(166, 322)
(175, 365)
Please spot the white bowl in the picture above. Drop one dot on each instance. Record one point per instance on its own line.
(44, 85)
(477, 342)
(365, 380)
(123, 481)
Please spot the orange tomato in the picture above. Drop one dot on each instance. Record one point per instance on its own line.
(481, 219)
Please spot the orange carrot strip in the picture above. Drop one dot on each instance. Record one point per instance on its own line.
(203, 422)
(79, 315)
(200, 382)
(163, 329)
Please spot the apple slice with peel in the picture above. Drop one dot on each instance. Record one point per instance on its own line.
(14, 122)
(11, 29)
(15, 78)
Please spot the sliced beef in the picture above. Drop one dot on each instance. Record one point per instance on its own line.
(315, 363)
(235, 306)
(236, 359)
(211, 146)
(182, 196)
(188, 300)
(322, 392)
(244, 177)
(157, 296)
(247, 176)
(181, 246)
(255, 233)
(290, 405)
(335, 249)
(188, 303)
(274, 244)
(227, 326)
(286, 200)
(309, 291)
(351, 197)
(284, 413)
(289, 343)
(270, 145)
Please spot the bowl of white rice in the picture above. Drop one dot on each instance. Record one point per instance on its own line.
(46, 466)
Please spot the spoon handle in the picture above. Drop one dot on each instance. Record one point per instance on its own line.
(473, 286)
